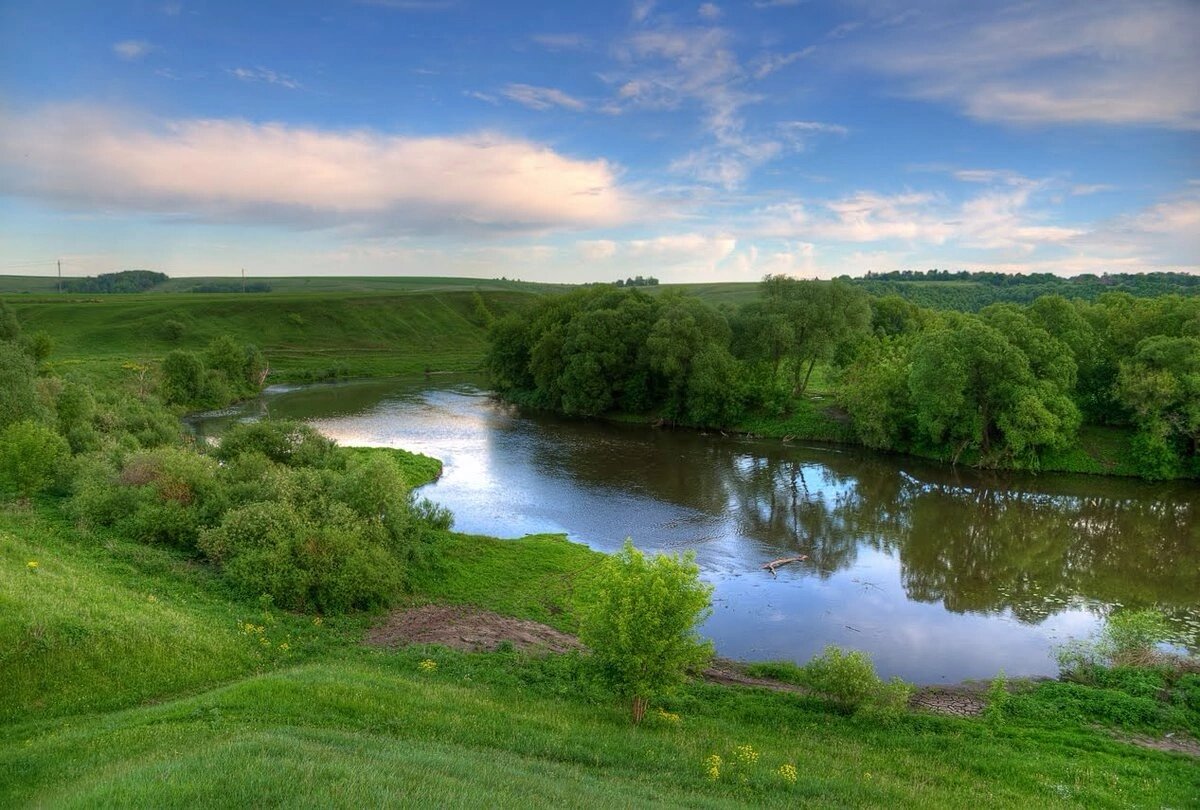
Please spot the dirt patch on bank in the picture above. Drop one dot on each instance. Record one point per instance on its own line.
(468, 629)
(958, 701)
(1172, 743)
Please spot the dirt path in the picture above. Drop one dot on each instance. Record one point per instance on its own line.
(468, 629)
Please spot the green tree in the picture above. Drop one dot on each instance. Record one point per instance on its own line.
(804, 322)
(1160, 384)
(639, 617)
(18, 391)
(183, 378)
(31, 454)
(972, 388)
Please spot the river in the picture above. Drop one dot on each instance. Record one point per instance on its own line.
(940, 574)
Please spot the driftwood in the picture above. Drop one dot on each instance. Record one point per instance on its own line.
(773, 564)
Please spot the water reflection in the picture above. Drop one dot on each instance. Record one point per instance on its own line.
(941, 574)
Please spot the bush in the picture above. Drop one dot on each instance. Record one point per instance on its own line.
(639, 618)
(1127, 638)
(846, 678)
(284, 442)
(31, 456)
(330, 565)
(183, 378)
(166, 495)
(18, 392)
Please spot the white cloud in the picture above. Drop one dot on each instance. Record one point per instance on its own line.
(237, 171)
(770, 63)
(667, 68)
(595, 250)
(1083, 189)
(484, 97)
(709, 12)
(264, 75)
(997, 219)
(541, 98)
(641, 10)
(132, 50)
(1082, 61)
(686, 248)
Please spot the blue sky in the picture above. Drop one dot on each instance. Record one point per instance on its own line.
(593, 141)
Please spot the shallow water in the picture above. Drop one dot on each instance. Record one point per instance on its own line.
(941, 575)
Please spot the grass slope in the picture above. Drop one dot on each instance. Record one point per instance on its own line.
(197, 698)
(302, 334)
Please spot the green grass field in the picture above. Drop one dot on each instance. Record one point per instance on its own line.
(132, 678)
(302, 334)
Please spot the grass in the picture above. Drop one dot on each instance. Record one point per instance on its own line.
(304, 335)
(182, 701)
(418, 470)
(528, 579)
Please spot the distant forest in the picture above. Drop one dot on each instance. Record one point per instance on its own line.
(136, 281)
(126, 281)
(971, 292)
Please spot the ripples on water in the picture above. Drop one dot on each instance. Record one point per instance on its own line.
(939, 574)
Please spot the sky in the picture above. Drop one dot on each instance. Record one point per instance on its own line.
(570, 142)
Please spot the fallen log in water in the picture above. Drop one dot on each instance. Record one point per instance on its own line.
(773, 564)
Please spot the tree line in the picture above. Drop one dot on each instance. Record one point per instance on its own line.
(1000, 387)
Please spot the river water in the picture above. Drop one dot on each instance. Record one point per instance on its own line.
(940, 574)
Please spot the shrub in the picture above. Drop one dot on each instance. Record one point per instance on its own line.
(329, 565)
(31, 455)
(172, 329)
(18, 393)
(639, 617)
(183, 378)
(845, 677)
(166, 495)
(283, 441)
(1127, 638)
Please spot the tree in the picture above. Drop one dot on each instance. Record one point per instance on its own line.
(974, 389)
(639, 618)
(30, 455)
(1160, 384)
(804, 322)
(182, 377)
(18, 391)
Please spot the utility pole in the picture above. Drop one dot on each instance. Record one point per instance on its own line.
(243, 279)
(60, 275)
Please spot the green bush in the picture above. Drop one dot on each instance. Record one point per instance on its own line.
(845, 677)
(183, 378)
(848, 679)
(18, 393)
(1127, 638)
(639, 617)
(31, 457)
(165, 495)
(284, 442)
(330, 565)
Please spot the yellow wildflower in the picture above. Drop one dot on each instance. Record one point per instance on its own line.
(787, 772)
(283, 645)
(712, 767)
(32, 565)
(745, 754)
(316, 621)
(428, 665)
(668, 717)
(151, 598)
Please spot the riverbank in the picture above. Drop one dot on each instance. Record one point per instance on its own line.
(132, 676)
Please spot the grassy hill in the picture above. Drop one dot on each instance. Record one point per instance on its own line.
(302, 334)
(132, 678)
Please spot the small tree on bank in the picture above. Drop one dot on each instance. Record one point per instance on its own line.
(639, 617)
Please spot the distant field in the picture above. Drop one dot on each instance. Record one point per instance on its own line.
(303, 334)
(300, 284)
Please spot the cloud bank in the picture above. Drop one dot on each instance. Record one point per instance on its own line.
(238, 171)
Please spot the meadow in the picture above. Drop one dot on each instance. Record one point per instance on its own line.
(142, 671)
